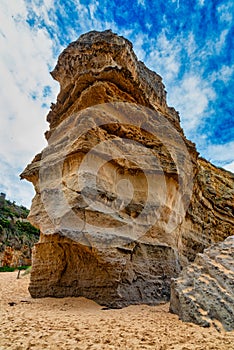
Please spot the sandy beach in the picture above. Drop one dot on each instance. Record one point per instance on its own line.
(79, 324)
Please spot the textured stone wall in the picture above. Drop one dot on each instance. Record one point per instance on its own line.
(204, 291)
(122, 199)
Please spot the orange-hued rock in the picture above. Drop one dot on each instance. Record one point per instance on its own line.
(121, 197)
(11, 257)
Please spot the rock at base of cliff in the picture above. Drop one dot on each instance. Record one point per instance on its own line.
(204, 291)
(114, 277)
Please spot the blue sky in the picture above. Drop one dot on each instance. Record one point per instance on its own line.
(189, 43)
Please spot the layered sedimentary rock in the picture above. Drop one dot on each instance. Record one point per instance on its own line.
(120, 198)
(210, 214)
(204, 291)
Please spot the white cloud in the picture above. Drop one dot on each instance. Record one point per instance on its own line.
(191, 97)
(139, 40)
(225, 12)
(141, 2)
(221, 153)
(25, 56)
(177, 3)
(224, 74)
(230, 166)
(164, 56)
(201, 3)
(189, 94)
(214, 46)
(41, 9)
(220, 42)
(21, 192)
(88, 19)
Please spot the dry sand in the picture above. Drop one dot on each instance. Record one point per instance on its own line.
(79, 324)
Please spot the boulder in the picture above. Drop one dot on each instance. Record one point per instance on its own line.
(204, 291)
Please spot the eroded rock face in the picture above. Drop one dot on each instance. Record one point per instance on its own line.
(204, 291)
(119, 189)
(210, 215)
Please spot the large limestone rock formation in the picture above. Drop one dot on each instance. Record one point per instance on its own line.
(204, 291)
(122, 200)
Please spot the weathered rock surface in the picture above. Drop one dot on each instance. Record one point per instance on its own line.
(120, 198)
(210, 215)
(204, 291)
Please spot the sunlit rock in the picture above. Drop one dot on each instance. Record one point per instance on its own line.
(122, 200)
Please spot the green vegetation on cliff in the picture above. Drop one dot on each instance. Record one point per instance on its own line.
(16, 233)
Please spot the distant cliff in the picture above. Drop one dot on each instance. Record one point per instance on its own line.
(17, 235)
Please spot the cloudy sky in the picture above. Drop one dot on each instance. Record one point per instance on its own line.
(189, 43)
